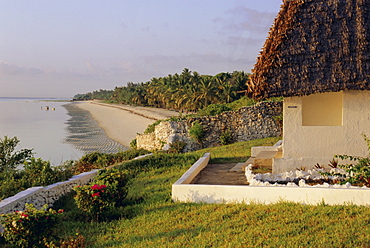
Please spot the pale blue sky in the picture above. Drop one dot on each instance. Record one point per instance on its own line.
(58, 48)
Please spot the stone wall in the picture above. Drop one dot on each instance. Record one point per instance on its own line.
(39, 196)
(248, 123)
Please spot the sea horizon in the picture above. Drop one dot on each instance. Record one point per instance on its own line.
(55, 133)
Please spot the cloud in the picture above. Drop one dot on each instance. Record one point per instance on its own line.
(7, 68)
(247, 44)
(126, 67)
(244, 31)
(146, 29)
(119, 68)
(204, 63)
(245, 20)
(123, 26)
(95, 69)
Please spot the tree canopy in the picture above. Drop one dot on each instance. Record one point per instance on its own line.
(9, 158)
(188, 91)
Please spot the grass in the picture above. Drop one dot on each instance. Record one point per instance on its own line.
(151, 219)
(237, 152)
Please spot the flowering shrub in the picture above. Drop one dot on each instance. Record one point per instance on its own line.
(29, 228)
(117, 180)
(108, 191)
(94, 199)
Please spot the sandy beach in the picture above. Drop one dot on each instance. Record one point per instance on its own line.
(122, 122)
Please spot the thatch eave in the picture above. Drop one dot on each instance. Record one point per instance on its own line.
(315, 46)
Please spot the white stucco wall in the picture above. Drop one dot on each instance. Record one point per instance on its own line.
(304, 146)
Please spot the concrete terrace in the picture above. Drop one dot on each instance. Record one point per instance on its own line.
(215, 183)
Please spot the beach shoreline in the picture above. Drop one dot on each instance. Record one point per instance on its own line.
(121, 123)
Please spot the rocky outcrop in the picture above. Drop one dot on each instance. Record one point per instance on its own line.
(248, 123)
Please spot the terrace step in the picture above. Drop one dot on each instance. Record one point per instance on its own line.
(239, 167)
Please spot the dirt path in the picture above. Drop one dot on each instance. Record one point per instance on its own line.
(219, 174)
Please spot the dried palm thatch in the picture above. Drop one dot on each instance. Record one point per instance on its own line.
(315, 46)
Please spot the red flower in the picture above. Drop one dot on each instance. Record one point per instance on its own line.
(98, 187)
(60, 210)
(96, 194)
(95, 186)
(24, 215)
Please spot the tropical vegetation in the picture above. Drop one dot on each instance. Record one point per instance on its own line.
(29, 228)
(9, 158)
(188, 91)
(149, 218)
(37, 173)
(27, 171)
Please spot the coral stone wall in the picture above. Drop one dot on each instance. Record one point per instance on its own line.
(39, 196)
(248, 123)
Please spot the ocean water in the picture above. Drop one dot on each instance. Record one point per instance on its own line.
(57, 131)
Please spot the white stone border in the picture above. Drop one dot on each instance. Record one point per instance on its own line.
(183, 191)
(39, 196)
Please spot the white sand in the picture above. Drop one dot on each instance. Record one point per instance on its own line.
(121, 122)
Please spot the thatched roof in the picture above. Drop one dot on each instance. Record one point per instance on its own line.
(315, 46)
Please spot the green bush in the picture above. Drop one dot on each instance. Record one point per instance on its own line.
(94, 160)
(10, 159)
(242, 102)
(36, 172)
(133, 144)
(108, 191)
(226, 137)
(42, 173)
(94, 199)
(129, 154)
(117, 180)
(29, 228)
(98, 160)
(197, 132)
(177, 147)
(11, 184)
(151, 127)
(357, 174)
(213, 109)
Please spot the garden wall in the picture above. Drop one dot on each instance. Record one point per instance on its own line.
(184, 191)
(39, 196)
(248, 123)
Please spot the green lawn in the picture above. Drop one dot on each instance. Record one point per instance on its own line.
(237, 152)
(151, 219)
